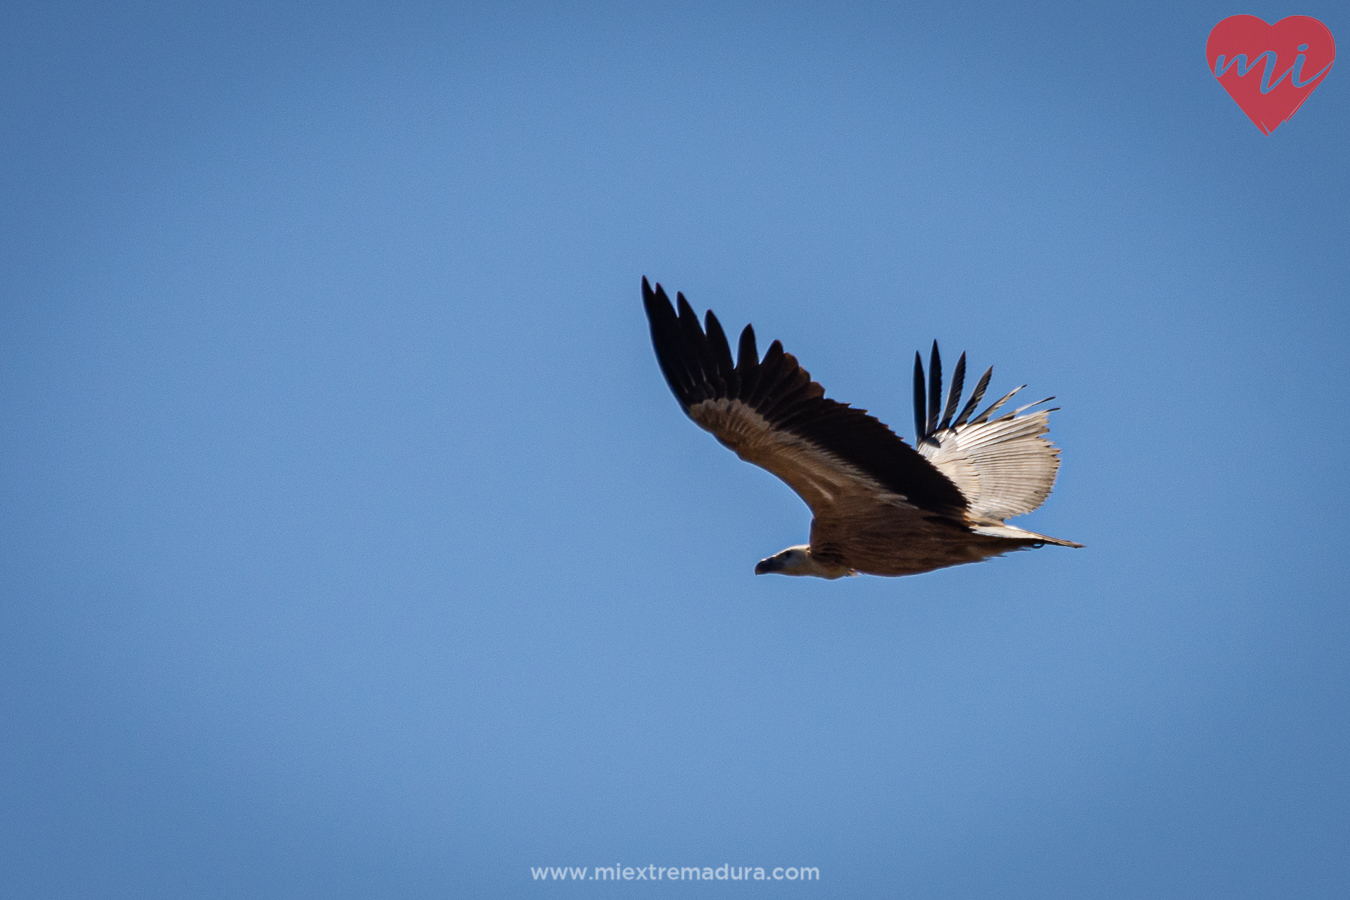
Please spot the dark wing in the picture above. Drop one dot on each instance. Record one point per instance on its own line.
(772, 414)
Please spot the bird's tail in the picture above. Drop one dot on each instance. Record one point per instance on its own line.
(1019, 534)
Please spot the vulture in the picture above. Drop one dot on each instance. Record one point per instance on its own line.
(879, 506)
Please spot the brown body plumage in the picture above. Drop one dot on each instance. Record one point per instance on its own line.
(880, 506)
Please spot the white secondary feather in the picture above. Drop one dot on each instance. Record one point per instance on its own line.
(1004, 467)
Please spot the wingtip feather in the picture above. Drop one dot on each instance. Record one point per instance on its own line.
(920, 400)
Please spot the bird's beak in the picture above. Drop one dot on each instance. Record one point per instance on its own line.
(765, 566)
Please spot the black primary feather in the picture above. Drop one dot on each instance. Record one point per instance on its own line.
(747, 363)
(721, 353)
(975, 397)
(920, 413)
(934, 389)
(665, 330)
(984, 416)
(954, 393)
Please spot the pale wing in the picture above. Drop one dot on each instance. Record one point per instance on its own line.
(1005, 467)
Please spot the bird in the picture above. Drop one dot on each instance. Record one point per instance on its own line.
(879, 506)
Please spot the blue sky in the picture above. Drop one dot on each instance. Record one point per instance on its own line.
(352, 545)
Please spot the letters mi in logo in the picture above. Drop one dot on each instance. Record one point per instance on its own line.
(1270, 69)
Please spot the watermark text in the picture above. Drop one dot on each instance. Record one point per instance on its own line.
(724, 872)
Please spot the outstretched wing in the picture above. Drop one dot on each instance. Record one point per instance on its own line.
(1003, 466)
(772, 414)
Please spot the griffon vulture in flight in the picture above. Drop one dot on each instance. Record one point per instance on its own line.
(880, 506)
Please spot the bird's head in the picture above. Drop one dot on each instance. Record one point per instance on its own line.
(799, 561)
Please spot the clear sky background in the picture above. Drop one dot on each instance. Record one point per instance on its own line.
(352, 545)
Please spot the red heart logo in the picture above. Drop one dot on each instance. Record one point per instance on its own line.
(1270, 69)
